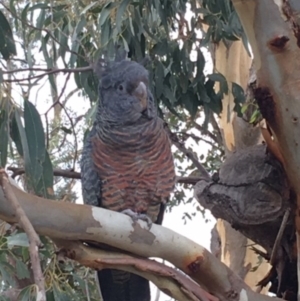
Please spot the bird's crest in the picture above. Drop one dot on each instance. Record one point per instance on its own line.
(104, 64)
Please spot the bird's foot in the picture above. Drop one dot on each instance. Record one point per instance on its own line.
(136, 216)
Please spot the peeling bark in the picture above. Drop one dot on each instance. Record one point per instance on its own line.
(66, 221)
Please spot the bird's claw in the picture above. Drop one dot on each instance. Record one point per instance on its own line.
(138, 216)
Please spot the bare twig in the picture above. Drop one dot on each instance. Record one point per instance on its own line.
(205, 131)
(17, 171)
(189, 180)
(51, 70)
(187, 152)
(75, 136)
(63, 88)
(279, 236)
(87, 291)
(34, 240)
(216, 128)
(196, 138)
(48, 72)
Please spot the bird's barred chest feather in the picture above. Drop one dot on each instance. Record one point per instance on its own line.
(136, 168)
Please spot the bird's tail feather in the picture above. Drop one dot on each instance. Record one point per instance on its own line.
(117, 285)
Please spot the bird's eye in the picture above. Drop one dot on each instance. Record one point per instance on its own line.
(121, 87)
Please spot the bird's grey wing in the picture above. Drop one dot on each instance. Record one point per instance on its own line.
(90, 179)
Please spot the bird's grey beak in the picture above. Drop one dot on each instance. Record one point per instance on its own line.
(140, 92)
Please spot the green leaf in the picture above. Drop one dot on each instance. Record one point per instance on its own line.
(7, 272)
(66, 130)
(56, 18)
(36, 140)
(80, 25)
(40, 20)
(50, 296)
(254, 116)
(217, 77)
(80, 281)
(63, 41)
(3, 137)
(49, 62)
(169, 95)
(19, 239)
(25, 148)
(26, 294)
(159, 79)
(238, 93)
(105, 33)
(15, 134)
(191, 104)
(45, 185)
(120, 13)
(48, 248)
(244, 108)
(105, 12)
(88, 7)
(200, 64)
(7, 44)
(59, 295)
(39, 6)
(22, 270)
(24, 15)
(25, 254)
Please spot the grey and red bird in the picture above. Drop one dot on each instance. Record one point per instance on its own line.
(126, 162)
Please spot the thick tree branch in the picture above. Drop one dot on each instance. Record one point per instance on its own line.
(68, 221)
(165, 278)
(275, 47)
(34, 240)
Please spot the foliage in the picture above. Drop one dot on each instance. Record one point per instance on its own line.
(48, 97)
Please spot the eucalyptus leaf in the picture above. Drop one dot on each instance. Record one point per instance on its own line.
(4, 137)
(22, 270)
(36, 140)
(7, 45)
(19, 239)
(120, 13)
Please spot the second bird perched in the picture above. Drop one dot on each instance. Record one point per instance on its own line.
(127, 162)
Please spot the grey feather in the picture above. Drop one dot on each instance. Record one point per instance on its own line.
(90, 180)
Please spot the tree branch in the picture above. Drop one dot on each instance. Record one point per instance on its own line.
(165, 278)
(17, 171)
(67, 221)
(279, 236)
(216, 128)
(34, 240)
(187, 152)
(47, 72)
